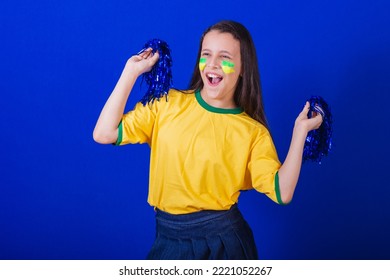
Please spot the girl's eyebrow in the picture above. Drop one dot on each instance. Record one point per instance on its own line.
(226, 52)
(221, 52)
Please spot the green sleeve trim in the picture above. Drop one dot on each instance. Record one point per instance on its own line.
(277, 190)
(120, 134)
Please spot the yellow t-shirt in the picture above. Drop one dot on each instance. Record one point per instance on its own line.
(201, 156)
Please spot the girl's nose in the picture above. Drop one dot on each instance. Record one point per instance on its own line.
(213, 62)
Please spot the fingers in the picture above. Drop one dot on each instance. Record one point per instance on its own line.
(312, 122)
(317, 121)
(305, 110)
(145, 53)
(155, 57)
(141, 51)
(143, 61)
(316, 111)
(148, 54)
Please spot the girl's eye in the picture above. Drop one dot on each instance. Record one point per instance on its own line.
(205, 54)
(226, 57)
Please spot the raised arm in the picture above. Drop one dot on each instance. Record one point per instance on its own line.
(290, 169)
(106, 128)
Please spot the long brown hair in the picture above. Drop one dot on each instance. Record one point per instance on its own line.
(248, 94)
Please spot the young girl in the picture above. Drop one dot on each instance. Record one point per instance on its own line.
(207, 144)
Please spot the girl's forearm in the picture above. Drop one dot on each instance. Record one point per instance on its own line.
(290, 170)
(106, 129)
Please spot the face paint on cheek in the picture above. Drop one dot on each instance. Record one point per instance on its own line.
(227, 67)
(202, 63)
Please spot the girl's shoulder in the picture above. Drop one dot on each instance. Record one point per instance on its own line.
(176, 96)
(173, 99)
(177, 93)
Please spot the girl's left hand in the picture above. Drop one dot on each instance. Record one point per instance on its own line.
(305, 123)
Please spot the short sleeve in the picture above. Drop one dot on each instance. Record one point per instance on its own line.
(137, 125)
(264, 165)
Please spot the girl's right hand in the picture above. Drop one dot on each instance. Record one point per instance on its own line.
(305, 123)
(142, 62)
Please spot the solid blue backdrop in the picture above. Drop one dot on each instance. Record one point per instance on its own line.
(63, 196)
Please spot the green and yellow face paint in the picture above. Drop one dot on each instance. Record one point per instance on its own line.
(202, 63)
(227, 67)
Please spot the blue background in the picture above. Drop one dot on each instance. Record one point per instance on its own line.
(63, 196)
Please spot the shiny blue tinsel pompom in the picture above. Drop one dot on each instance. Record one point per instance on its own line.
(319, 141)
(159, 79)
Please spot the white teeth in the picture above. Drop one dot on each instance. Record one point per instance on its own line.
(214, 79)
(212, 76)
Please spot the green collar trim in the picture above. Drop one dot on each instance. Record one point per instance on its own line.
(215, 109)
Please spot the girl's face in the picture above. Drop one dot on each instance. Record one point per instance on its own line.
(220, 68)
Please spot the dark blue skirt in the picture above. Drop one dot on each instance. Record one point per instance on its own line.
(213, 235)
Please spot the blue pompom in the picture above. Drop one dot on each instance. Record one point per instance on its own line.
(159, 79)
(319, 142)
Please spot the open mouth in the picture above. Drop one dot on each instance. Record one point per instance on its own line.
(214, 79)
